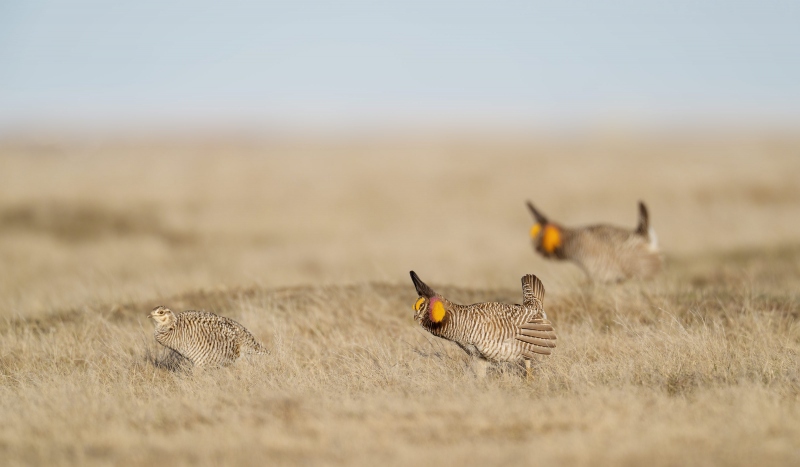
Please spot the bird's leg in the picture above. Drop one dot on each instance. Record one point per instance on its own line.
(528, 370)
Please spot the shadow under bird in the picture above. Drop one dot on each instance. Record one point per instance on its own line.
(202, 337)
(495, 332)
(604, 252)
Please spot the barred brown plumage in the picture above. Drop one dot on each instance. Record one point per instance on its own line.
(202, 337)
(604, 252)
(497, 332)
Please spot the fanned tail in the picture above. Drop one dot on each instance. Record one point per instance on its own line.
(532, 291)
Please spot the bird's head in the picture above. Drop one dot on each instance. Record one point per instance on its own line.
(547, 237)
(430, 307)
(162, 315)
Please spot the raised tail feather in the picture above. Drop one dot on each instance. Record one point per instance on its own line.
(539, 337)
(422, 288)
(540, 218)
(644, 221)
(532, 291)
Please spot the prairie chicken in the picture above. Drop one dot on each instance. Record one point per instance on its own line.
(203, 337)
(496, 332)
(604, 252)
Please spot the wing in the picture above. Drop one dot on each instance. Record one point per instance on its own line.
(537, 337)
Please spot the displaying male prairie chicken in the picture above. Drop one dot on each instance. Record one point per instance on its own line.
(496, 332)
(604, 252)
(204, 338)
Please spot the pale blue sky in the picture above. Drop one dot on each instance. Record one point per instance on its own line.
(106, 64)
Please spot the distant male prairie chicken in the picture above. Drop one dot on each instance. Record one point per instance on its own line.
(496, 332)
(203, 337)
(604, 252)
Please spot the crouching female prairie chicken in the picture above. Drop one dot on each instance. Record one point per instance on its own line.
(202, 337)
(496, 332)
(604, 252)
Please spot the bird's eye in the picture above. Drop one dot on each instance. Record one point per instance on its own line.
(419, 303)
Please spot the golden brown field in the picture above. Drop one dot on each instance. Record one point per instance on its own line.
(308, 243)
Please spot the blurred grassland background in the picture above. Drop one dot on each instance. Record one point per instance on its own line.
(309, 245)
(139, 220)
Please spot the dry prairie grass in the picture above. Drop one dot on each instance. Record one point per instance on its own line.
(309, 246)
